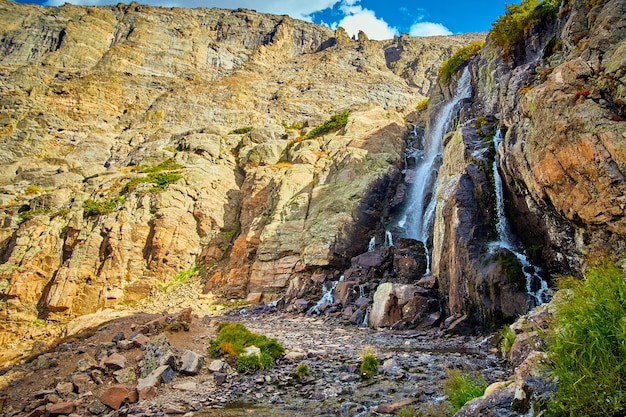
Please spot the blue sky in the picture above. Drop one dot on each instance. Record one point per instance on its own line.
(379, 19)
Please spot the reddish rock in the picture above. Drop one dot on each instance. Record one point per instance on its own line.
(344, 291)
(58, 409)
(254, 298)
(185, 315)
(116, 395)
(82, 382)
(140, 340)
(146, 393)
(115, 361)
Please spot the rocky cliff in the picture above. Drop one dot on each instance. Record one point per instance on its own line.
(557, 93)
(142, 144)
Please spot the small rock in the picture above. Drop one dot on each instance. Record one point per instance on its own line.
(219, 378)
(125, 344)
(118, 337)
(185, 315)
(97, 408)
(216, 365)
(140, 340)
(254, 298)
(64, 388)
(173, 409)
(251, 350)
(115, 361)
(86, 363)
(82, 382)
(295, 356)
(62, 408)
(191, 362)
(390, 408)
(301, 304)
(186, 386)
(115, 395)
(125, 375)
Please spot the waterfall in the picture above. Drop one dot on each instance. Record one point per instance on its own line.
(372, 244)
(327, 297)
(388, 238)
(536, 287)
(419, 214)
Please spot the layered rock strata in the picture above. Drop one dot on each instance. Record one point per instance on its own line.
(142, 144)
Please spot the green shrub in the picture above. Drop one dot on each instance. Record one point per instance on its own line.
(169, 164)
(160, 180)
(369, 364)
(241, 130)
(451, 65)
(29, 214)
(587, 348)
(507, 337)
(32, 189)
(511, 28)
(98, 208)
(302, 370)
(233, 338)
(422, 104)
(461, 387)
(336, 122)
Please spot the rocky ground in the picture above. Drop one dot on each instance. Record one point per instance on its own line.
(102, 366)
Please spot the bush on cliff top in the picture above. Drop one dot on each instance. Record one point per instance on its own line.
(587, 349)
(451, 65)
(510, 28)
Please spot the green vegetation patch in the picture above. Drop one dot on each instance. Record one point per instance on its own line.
(241, 130)
(92, 207)
(233, 338)
(587, 348)
(451, 65)
(462, 387)
(169, 164)
(511, 28)
(160, 176)
(369, 364)
(336, 122)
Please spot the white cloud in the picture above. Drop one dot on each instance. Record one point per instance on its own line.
(429, 29)
(367, 21)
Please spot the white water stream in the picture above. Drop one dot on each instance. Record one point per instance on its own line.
(419, 214)
(536, 287)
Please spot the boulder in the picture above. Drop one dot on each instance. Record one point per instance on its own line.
(114, 396)
(385, 309)
(191, 362)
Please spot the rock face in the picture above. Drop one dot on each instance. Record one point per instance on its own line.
(140, 144)
(558, 95)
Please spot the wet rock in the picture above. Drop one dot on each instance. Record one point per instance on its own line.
(191, 362)
(301, 304)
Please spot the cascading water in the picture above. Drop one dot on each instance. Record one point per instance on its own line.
(536, 287)
(419, 214)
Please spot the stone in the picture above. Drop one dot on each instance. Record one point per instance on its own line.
(61, 408)
(186, 386)
(125, 344)
(64, 388)
(191, 362)
(82, 382)
(390, 408)
(125, 375)
(147, 386)
(217, 365)
(115, 361)
(295, 356)
(219, 378)
(251, 351)
(114, 396)
(97, 408)
(254, 298)
(85, 363)
(385, 309)
(140, 340)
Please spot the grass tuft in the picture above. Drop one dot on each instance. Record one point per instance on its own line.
(233, 338)
(334, 123)
(369, 363)
(587, 348)
(461, 387)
